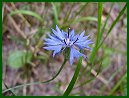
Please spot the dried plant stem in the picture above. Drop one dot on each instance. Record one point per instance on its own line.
(16, 27)
(98, 76)
(20, 15)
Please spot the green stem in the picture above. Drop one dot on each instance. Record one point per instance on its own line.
(33, 83)
(72, 82)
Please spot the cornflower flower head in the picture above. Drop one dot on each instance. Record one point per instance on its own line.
(60, 40)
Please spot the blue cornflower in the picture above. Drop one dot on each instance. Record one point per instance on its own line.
(61, 40)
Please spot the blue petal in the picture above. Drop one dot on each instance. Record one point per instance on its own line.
(53, 47)
(82, 42)
(58, 30)
(75, 37)
(85, 42)
(82, 39)
(71, 56)
(53, 37)
(52, 42)
(64, 34)
(82, 46)
(87, 47)
(58, 33)
(75, 54)
(82, 34)
(57, 51)
(71, 34)
(89, 41)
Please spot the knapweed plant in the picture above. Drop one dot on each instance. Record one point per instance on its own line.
(31, 58)
(71, 44)
(68, 42)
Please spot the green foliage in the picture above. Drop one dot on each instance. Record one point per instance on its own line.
(28, 13)
(73, 80)
(52, 14)
(17, 59)
(89, 18)
(118, 84)
(113, 24)
(55, 8)
(94, 51)
(105, 23)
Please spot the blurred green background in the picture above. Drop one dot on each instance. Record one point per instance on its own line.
(24, 60)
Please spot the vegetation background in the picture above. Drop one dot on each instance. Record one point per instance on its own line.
(25, 61)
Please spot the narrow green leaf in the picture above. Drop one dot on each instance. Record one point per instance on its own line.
(105, 23)
(100, 9)
(55, 12)
(84, 19)
(27, 12)
(89, 18)
(113, 24)
(103, 88)
(117, 19)
(68, 14)
(74, 18)
(94, 51)
(118, 84)
(81, 9)
(88, 75)
(84, 83)
(75, 76)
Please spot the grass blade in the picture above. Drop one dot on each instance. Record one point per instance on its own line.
(89, 18)
(85, 19)
(100, 8)
(94, 51)
(118, 84)
(88, 74)
(117, 19)
(27, 12)
(68, 14)
(77, 13)
(105, 23)
(81, 9)
(113, 24)
(55, 13)
(75, 76)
